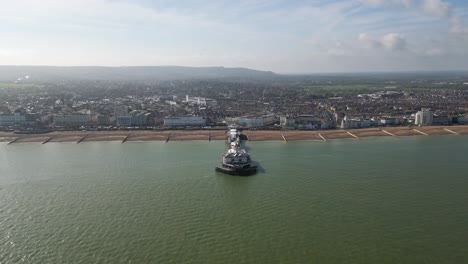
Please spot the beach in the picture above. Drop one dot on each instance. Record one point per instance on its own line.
(209, 135)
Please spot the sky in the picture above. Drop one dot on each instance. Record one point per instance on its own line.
(284, 36)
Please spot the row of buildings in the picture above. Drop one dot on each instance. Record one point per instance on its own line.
(122, 117)
(425, 117)
(18, 118)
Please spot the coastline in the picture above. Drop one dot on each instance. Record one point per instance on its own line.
(209, 135)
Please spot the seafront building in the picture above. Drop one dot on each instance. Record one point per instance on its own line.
(348, 123)
(124, 121)
(462, 120)
(287, 122)
(17, 119)
(134, 119)
(253, 121)
(389, 121)
(441, 121)
(73, 120)
(103, 120)
(194, 121)
(423, 117)
(307, 122)
(250, 122)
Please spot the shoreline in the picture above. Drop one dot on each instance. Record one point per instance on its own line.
(216, 135)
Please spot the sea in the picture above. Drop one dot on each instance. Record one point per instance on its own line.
(375, 200)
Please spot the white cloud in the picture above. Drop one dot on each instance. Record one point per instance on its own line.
(368, 41)
(334, 48)
(459, 29)
(5, 52)
(437, 7)
(339, 49)
(391, 41)
(376, 3)
(434, 52)
(14, 52)
(394, 41)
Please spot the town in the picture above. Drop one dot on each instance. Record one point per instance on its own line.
(293, 104)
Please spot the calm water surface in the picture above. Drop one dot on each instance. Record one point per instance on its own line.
(376, 200)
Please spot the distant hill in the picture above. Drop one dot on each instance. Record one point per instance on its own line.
(54, 73)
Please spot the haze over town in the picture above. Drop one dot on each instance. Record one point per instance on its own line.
(280, 36)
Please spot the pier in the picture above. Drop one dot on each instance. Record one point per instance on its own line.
(236, 160)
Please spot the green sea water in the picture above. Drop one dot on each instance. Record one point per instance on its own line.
(375, 200)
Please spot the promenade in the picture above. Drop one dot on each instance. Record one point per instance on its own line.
(212, 135)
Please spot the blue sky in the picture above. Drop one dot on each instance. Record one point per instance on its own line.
(277, 35)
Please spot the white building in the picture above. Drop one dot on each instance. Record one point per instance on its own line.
(252, 121)
(201, 101)
(269, 119)
(135, 118)
(423, 117)
(309, 122)
(196, 121)
(287, 122)
(72, 120)
(389, 121)
(348, 123)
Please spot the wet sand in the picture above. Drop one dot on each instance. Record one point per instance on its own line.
(209, 135)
